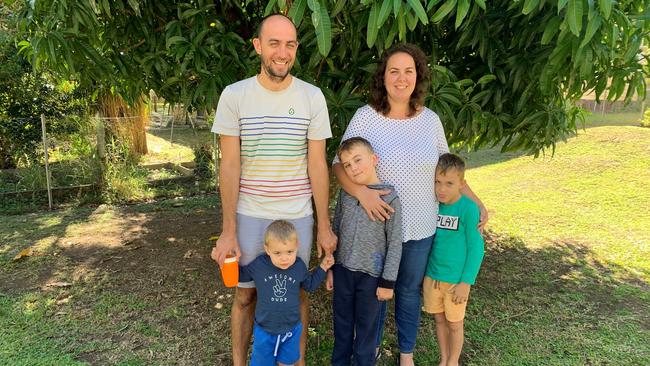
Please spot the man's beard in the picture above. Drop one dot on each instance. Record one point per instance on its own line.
(278, 78)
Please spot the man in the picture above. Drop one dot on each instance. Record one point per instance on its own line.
(272, 131)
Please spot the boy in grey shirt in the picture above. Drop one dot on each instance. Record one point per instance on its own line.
(367, 259)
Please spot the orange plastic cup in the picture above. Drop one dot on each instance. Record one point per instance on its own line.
(230, 271)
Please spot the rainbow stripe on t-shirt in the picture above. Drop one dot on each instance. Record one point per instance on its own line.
(274, 157)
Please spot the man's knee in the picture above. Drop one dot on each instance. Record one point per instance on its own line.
(245, 298)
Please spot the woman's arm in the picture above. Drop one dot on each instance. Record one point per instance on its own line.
(370, 199)
(484, 216)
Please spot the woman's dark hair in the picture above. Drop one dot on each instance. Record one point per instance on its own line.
(378, 94)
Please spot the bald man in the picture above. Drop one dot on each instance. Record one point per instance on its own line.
(272, 129)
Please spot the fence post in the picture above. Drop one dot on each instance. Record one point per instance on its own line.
(47, 165)
(101, 137)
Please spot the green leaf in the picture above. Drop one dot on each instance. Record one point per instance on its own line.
(416, 5)
(529, 6)
(592, 27)
(189, 13)
(561, 4)
(605, 7)
(135, 6)
(411, 20)
(174, 40)
(372, 29)
(93, 5)
(322, 26)
(552, 27)
(587, 64)
(384, 12)
(574, 16)
(632, 49)
(486, 79)
(449, 98)
(338, 7)
(443, 11)
(297, 11)
(269, 7)
(24, 46)
(401, 25)
(391, 36)
(481, 4)
(461, 12)
(397, 6)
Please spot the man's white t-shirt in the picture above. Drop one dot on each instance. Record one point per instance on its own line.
(273, 127)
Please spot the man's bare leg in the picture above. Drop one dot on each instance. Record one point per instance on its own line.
(456, 338)
(304, 318)
(241, 323)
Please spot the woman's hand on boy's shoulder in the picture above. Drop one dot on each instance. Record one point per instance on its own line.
(375, 207)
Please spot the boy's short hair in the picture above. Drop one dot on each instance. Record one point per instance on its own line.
(449, 161)
(348, 144)
(280, 230)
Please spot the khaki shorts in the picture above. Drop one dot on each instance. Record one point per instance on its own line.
(439, 301)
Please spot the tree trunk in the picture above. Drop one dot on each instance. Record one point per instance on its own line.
(128, 123)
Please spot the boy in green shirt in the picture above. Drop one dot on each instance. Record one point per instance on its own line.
(454, 260)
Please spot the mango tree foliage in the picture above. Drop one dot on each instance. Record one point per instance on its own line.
(503, 71)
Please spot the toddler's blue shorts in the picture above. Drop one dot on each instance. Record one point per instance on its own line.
(269, 349)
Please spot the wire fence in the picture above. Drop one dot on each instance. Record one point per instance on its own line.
(48, 161)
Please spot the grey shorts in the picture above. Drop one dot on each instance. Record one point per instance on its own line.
(250, 234)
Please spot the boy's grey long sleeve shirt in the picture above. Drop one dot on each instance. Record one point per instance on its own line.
(371, 247)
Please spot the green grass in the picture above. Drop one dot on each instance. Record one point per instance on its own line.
(565, 280)
(29, 336)
(594, 191)
(180, 148)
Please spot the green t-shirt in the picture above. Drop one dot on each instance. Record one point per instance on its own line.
(458, 246)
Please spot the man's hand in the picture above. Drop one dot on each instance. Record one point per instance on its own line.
(376, 208)
(329, 281)
(226, 244)
(459, 292)
(325, 240)
(327, 262)
(483, 218)
(384, 294)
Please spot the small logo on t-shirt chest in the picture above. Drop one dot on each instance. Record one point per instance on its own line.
(448, 222)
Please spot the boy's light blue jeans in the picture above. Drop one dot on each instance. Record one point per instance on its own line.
(415, 255)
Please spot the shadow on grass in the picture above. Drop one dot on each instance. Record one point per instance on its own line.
(153, 296)
(26, 231)
(489, 156)
(187, 137)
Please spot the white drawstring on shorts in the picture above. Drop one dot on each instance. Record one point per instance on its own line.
(278, 341)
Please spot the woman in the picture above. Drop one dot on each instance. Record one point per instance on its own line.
(408, 138)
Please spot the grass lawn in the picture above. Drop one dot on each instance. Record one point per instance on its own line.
(164, 147)
(565, 280)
